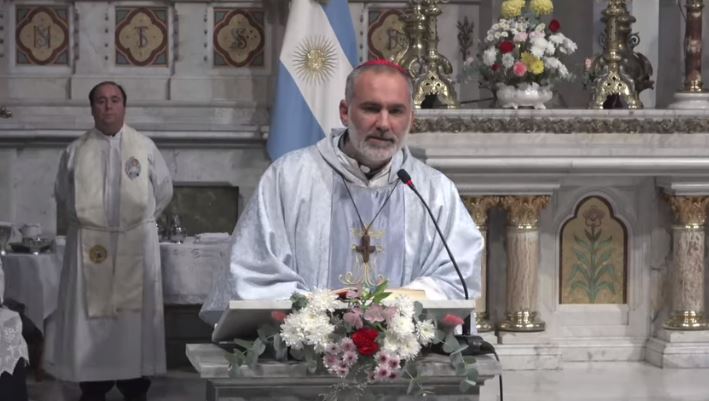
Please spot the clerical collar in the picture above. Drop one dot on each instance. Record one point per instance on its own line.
(374, 178)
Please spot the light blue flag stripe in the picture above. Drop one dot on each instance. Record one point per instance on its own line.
(338, 13)
(293, 125)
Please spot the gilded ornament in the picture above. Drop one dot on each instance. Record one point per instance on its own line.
(689, 211)
(315, 59)
(97, 254)
(478, 207)
(523, 211)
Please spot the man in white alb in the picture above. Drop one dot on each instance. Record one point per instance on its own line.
(335, 213)
(108, 328)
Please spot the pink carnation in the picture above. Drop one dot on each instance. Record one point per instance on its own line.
(451, 320)
(519, 69)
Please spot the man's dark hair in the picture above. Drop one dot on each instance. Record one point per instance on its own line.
(92, 93)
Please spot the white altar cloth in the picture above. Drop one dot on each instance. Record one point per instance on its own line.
(34, 281)
(12, 345)
(188, 269)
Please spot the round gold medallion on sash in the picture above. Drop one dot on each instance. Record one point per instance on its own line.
(98, 254)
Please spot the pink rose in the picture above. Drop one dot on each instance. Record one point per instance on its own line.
(354, 318)
(519, 69)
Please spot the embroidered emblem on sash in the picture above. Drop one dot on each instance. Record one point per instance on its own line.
(98, 254)
(132, 168)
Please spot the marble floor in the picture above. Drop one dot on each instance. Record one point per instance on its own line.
(622, 381)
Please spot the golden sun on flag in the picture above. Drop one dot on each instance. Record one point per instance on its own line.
(315, 59)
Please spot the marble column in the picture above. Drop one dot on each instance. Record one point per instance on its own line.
(692, 95)
(687, 275)
(523, 262)
(693, 47)
(478, 206)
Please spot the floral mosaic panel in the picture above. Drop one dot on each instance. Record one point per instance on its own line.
(42, 35)
(141, 36)
(594, 248)
(239, 37)
(386, 37)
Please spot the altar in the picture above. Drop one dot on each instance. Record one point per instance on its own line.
(291, 381)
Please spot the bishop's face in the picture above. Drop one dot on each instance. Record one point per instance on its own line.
(378, 117)
(108, 109)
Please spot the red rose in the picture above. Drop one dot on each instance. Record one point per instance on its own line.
(554, 26)
(365, 340)
(506, 46)
(495, 67)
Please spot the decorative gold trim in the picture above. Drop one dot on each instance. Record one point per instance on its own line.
(525, 321)
(690, 212)
(687, 320)
(523, 211)
(478, 207)
(482, 322)
(519, 124)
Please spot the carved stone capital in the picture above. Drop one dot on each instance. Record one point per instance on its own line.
(478, 206)
(523, 211)
(689, 211)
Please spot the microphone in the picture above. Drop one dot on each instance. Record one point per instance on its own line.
(406, 179)
(476, 345)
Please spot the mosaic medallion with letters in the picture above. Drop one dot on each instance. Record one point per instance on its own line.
(238, 37)
(42, 35)
(594, 249)
(141, 36)
(386, 36)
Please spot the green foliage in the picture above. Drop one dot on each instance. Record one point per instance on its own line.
(593, 270)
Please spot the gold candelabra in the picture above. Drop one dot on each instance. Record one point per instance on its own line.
(619, 71)
(429, 69)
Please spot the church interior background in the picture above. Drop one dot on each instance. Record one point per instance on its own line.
(595, 219)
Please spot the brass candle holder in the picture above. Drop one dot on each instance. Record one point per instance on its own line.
(619, 70)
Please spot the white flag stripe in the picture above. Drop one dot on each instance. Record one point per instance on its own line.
(312, 23)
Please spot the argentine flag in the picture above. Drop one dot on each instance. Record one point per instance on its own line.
(319, 50)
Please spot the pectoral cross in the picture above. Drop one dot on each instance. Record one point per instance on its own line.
(365, 272)
(365, 247)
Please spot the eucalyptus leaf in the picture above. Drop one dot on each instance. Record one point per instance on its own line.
(242, 343)
(472, 374)
(451, 344)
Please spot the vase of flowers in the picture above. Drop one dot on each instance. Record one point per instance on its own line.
(359, 335)
(521, 56)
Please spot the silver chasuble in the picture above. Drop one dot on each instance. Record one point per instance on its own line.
(355, 254)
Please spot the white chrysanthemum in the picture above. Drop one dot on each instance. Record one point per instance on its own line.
(539, 46)
(552, 63)
(401, 326)
(306, 327)
(540, 27)
(489, 56)
(322, 300)
(425, 331)
(508, 60)
(563, 71)
(569, 46)
(409, 348)
(557, 38)
(550, 49)
(490, 37)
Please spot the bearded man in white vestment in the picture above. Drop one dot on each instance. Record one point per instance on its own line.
(304, 228)
(108, 328)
